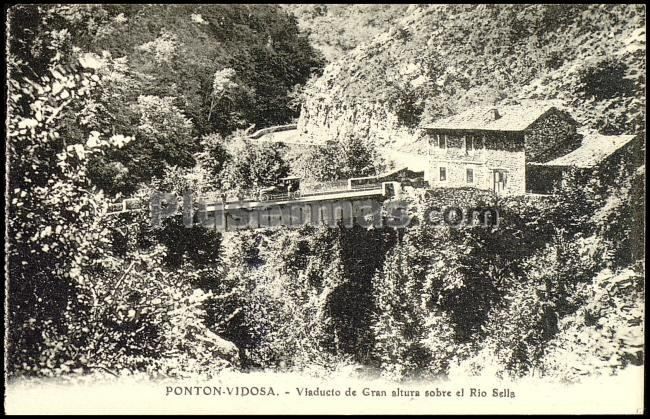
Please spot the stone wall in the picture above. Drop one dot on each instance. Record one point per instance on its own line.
(551, 136)
(491, 151)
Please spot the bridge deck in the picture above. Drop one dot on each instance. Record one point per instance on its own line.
(212, 204)
(322, 196)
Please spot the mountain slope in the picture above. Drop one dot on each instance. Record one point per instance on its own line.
(437, 60)
(335, 29)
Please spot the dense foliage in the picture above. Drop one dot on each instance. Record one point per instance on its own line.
(349, 157)
(107, 99)
(180, 72)
(87, 291)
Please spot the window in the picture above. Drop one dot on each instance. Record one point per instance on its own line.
(501, 176)
(470, 175)
(443, 174)
(442, 141)
(470, 145)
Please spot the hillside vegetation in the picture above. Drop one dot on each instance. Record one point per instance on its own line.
(173, 74)
(437, 60)
(335, 29)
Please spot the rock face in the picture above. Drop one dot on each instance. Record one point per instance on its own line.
(342, 101)
(327, 119)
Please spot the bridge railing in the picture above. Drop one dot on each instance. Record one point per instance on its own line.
(306, 189)
(324, 187)
(366, 186)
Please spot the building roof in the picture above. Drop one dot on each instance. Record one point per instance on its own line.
(510, 118)
(594, 149)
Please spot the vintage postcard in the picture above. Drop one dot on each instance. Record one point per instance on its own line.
(325, 208)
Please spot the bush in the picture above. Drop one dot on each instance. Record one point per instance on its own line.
(606, 79)
(336, 160)
(606, 334)
(253, 165)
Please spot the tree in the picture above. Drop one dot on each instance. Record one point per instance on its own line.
(165, 133)
(351, 157)
(163, 137)
(253, 165)
(606, 79)
(222, 86)
(605, 335)
(80, 299)
(400, 329)
(214, 158)
(296, 305)
(203, 58)
(620, 219)
(319, 164)
(53, 210)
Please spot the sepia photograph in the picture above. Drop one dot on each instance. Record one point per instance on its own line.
(325, 208)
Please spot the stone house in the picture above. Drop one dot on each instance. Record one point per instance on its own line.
(489, 147)
(598, 152)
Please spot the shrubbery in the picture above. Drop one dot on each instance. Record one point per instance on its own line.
(89, 291)
(499, 301)
(337, 160)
